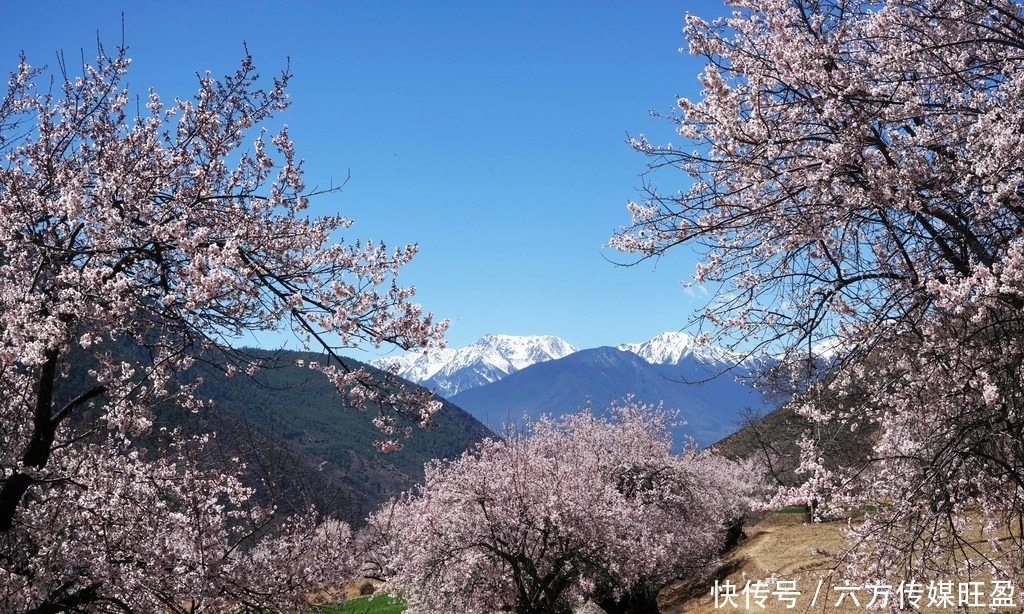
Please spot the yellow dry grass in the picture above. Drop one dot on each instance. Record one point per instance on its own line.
(785, 546)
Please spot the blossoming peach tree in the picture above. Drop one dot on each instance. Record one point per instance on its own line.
(585, 508)
(856, 181)
(170, 228)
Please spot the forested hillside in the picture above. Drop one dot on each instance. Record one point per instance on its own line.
(292, 422)
(300, 441)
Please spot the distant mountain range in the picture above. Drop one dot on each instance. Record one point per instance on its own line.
(709, 386)
(450, 371)
(674, 348)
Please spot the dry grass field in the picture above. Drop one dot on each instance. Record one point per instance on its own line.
(778, 544)
(785, 546)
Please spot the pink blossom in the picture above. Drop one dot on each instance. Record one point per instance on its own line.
(857, 182)
(163, 237)
(582, 508)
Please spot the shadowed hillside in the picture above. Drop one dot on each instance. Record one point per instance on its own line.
(295, 413)
(300, 441)
(773, 439)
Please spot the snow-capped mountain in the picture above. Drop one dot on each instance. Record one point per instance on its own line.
(450, 371)
(487, 360)
(672, 348)
(709, 397)
(501, 378)
(417, 366)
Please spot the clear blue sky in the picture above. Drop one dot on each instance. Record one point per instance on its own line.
(492, 134)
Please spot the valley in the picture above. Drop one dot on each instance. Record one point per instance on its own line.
(710, 388)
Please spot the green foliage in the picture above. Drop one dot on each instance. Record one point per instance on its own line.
(375, 604)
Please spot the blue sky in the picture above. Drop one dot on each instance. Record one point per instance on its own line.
(491, 134)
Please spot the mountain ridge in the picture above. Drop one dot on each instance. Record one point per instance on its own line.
(450, 371)
(673, 347)
(487, 360)
(708, 397)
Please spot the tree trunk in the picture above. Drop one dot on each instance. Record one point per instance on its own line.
(38, 450)
(640, 601)
(44, 429)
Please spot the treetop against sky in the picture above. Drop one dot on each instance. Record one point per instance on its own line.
(493, 135)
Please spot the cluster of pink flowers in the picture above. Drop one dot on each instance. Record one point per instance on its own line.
(857, 183)
(585, 508)
(131, 245)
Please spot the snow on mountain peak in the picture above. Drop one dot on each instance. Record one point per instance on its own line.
(486, 360)
(416, 366)
(517, 352)
(670, 348)
(492, 357)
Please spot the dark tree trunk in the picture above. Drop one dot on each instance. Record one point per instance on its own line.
(44, 429)
(640, 601)
(39, 446)
(733, 534)
(540, 609)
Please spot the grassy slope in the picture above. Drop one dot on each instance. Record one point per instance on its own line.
(374, 604)
(780, 544)
(321, 443)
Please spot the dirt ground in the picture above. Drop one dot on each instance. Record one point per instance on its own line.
(785, 546)
(782, 545)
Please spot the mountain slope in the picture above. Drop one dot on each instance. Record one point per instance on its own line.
(297, 412)
(298, 441)
(487, 360)
(672, 348)
(600, 376)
